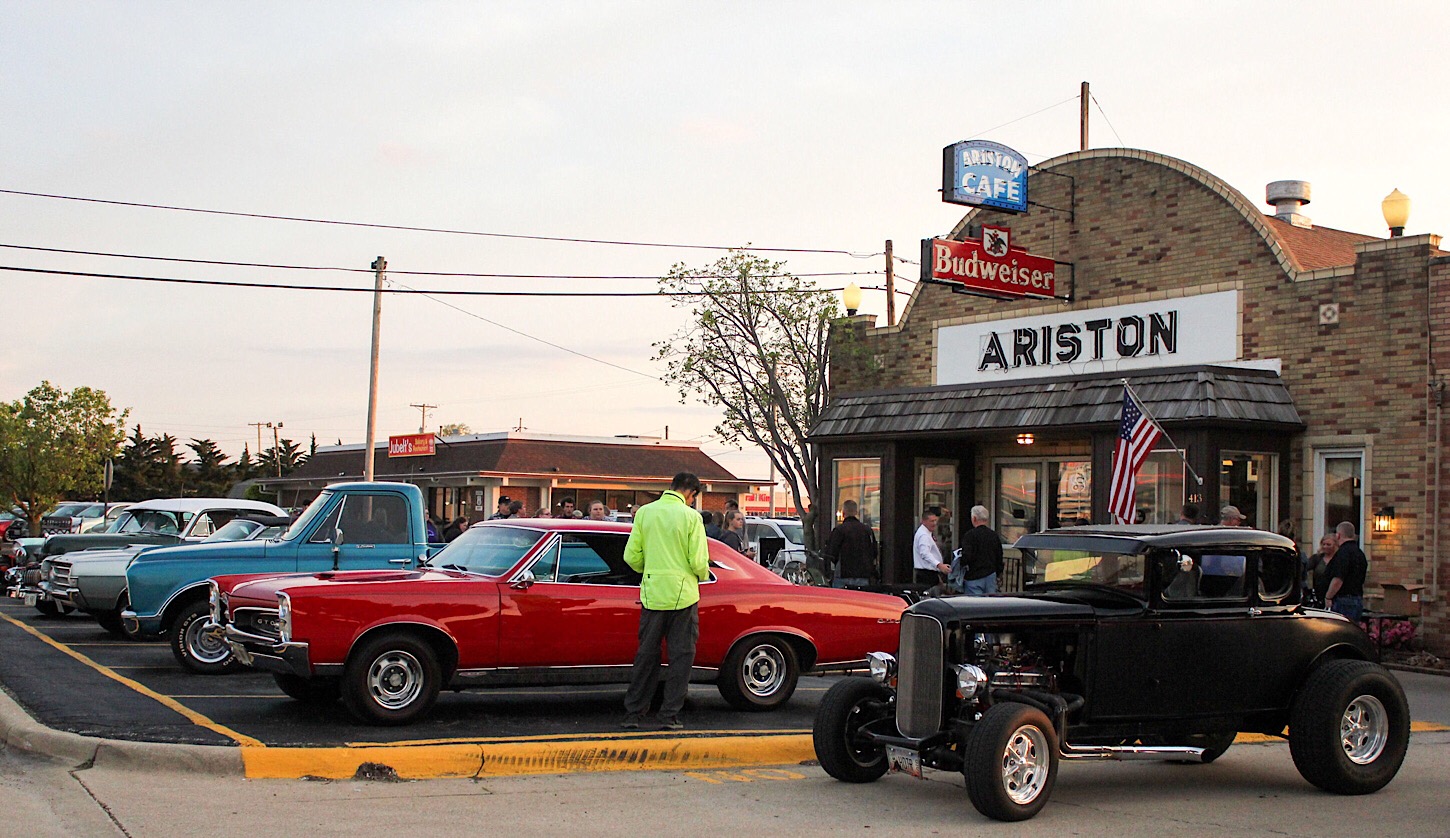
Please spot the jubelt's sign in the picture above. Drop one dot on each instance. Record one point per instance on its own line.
(412, 445)
(991, 266)
(978, 173)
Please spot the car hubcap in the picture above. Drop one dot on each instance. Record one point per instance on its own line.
(1025, 761)
(205, 647)
(764, 671)
(1364, 730)
(395, 679)
(861, 750)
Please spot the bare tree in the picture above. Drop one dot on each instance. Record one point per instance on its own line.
(756, 346)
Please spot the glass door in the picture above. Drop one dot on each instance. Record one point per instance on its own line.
(936, 486)
(1019, 486)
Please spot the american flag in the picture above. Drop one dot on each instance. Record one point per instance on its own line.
(1137, 435)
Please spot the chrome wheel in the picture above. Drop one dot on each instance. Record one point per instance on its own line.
(1364, 730)
(205, 647)
(1025, 763)
(395, 679)
(764, 670)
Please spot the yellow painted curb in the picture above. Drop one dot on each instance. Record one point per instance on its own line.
(1253, 738)
(509, 759)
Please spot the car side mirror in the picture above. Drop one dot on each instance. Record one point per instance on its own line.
(524, 582)
(337, 537)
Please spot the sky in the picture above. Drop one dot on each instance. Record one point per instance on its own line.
(815, 126)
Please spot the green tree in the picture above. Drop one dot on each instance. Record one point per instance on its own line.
(209, 471)
(454, 429)
(292, 457)
(54, 444)
(756, 347)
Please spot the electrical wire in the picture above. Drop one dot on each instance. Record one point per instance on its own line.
(1094, 97)
(1005, 124)
(417, 229)
(369, 270)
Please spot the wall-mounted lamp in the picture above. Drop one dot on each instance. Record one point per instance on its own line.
(1396, 208)
(1384, 520)
(1026, 439)
(851, 298)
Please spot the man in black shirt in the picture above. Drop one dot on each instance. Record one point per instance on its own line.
(851, 548)
(975, 571)
(1346, 572)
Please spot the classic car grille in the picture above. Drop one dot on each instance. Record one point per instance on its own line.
(920, 671)
(60, 573)
(257, 621)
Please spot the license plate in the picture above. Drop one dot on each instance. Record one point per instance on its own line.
(30, 599)
(904, 760)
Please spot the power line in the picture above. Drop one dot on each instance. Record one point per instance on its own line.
(1005, 124)
(405, 290)
(1105, 118)
(416, 229)
(370, 270)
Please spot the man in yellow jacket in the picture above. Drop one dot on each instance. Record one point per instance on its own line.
(667, 545)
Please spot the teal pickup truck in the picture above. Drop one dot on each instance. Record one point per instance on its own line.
(350, 526)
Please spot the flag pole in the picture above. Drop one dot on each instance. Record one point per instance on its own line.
(1176, 449)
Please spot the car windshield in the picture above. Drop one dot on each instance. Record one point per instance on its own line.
(149, 521)
(489, 550)
(792, 532)
(1089, 567)
(238, 529)
(304, 521)
(67, 509)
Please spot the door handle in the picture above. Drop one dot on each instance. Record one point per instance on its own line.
(400, 561)
(1255, 612)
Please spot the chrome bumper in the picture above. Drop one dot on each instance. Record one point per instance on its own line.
(264, 652)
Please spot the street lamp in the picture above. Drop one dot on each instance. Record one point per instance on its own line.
(851, 297)
(1396, 208)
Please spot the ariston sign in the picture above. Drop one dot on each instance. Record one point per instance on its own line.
(990, 266)
(412, 445)
(979, 173)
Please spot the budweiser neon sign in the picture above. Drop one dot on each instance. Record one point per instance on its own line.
(991, 266)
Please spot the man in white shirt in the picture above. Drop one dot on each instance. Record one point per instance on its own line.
(925, 555)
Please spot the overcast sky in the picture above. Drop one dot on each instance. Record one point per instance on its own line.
(791, 125)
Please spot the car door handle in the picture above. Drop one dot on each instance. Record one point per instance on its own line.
(400, 561)
(1255, 612)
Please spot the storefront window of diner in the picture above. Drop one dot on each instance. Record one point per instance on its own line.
(1022, 486)
(1246, 480)
(1159, 493)
(858, 479)
(1338, 490)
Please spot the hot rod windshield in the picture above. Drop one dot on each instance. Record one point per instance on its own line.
(1090, 567)
(489, 551)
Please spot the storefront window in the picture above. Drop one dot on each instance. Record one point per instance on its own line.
(859, 480)
(1020, 495)
(1247, 481)
(1159, 495)
(1338, 490)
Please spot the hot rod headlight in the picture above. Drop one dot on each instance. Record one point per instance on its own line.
(284, 617)
(971, 681)
(883, 667)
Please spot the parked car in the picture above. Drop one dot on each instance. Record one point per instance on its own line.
(348, 526)
(1156, 642)
(84, 516)
(13, 522)
(792, 561)
(533, 601)
(94, 581)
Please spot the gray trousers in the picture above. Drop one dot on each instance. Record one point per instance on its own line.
(679, 630)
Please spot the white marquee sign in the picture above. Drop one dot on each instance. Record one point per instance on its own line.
(1202, 329)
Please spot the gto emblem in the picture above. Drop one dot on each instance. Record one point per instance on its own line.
(884, 620)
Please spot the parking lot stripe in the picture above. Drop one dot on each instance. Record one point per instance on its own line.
(190, 714)
(518, 758)
(574, 737)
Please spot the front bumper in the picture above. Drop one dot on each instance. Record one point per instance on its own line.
(266, 653)
(140, 625)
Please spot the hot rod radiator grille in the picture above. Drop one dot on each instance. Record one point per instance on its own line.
(919, 677)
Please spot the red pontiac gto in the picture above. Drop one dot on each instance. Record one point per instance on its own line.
(532, 602)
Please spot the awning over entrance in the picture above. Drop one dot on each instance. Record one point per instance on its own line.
(1225, 396)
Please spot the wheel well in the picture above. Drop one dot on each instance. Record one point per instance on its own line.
(438, 640)
(805, 650)
(183, 599)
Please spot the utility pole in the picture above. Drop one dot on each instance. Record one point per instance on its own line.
(379, 265)
(890, 286)
(520, 427)
(259, 426)
(276, 445)
(1083, 117)
(423, 425)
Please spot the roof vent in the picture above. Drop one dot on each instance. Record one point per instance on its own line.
(1288, 197)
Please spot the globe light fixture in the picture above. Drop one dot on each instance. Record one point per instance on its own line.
(851, 297)
(1396, 208)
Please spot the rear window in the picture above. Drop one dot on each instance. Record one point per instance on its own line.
(1090, 567)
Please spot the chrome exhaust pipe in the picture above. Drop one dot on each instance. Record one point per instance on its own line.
(1130, 752)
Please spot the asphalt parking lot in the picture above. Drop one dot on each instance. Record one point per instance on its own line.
(136, 691)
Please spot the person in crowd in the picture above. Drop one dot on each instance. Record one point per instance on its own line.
(1316, 581)
(543, 513)
(712, 530)
(851, 550)
(1290, 530)
(430, 524)
(1230, 516)
(1346, 571)
(977, 566)
(926, 562)
(667, 546)
(1188, 514)
(731, 504)
(503, 509)
(598, 511)
(516, 509)
(455, 528)
(734, 534)
(566, 508)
